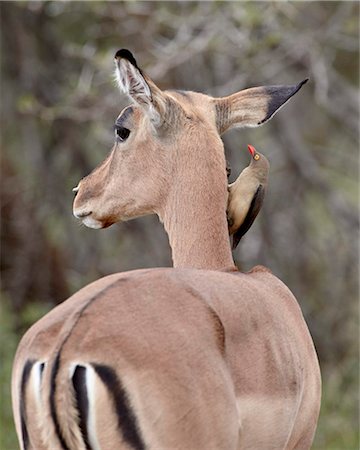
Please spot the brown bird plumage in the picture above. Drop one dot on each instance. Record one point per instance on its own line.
(246, 195)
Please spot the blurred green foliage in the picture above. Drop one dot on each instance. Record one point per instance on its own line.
(58, 105)
(338, 424)
(9, 341)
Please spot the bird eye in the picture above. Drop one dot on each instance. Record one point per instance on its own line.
(256, 157)
(121, 133)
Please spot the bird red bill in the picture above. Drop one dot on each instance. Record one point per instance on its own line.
(252, 150)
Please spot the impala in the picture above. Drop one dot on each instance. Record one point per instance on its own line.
(199, 356)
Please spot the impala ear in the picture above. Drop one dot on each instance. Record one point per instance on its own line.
(133, 82)
(252, 107)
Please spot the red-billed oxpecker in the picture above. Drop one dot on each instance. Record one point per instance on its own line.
(246, 195)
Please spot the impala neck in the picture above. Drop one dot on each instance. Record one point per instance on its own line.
(194, 215)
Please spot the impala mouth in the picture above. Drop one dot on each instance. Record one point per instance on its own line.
(96, 224)
(90, 222)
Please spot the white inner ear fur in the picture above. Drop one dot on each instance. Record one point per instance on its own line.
(132, 83)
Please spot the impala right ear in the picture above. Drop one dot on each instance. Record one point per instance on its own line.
(252, 107)
(133, 82)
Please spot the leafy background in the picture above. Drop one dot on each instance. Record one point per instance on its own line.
(58, 106)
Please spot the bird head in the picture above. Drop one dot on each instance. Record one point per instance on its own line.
(259, 163)
(254, 154)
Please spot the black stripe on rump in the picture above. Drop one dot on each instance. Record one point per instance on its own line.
(54, 373)
(82, 401)
(126, 416)
(24, 379)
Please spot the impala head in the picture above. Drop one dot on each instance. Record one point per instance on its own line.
(162, 137)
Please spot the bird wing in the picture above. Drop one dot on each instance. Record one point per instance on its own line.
(254, 209)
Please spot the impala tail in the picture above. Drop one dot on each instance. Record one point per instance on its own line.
(75, 406)
(49, 410)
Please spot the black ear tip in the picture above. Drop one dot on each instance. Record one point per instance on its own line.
(123, 53)
(126, 54)
(303, 82)
(297, 87)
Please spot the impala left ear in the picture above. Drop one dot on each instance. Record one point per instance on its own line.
(133, 82)
(252, 107)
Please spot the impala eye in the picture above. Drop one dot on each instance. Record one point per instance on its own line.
(121, 133)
